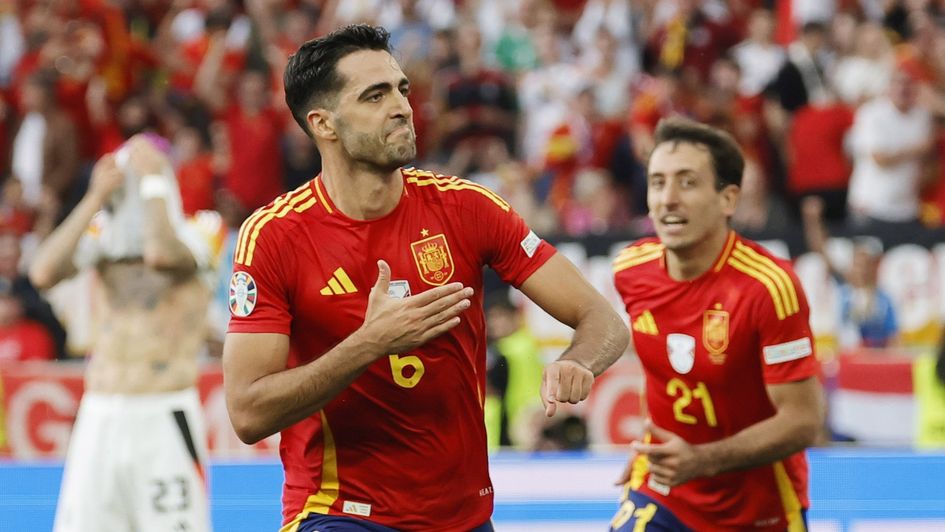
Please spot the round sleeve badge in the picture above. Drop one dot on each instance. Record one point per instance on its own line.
(242, 294)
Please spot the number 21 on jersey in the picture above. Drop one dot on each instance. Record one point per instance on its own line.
(685, 395)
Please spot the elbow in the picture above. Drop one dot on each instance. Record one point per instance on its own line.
(246, 429)
(622, 336)
(41, 278)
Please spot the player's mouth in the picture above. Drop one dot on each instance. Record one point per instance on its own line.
(674, 222)
(400, 130)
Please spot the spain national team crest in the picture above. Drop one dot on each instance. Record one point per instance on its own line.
(715, 334)
(242, 294)
(433, 259)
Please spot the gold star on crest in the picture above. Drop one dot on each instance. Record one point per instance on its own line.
(424, 232)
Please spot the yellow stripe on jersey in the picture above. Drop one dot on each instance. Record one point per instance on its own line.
(778, 276)
(444, 184)
(623, 262)
(640, 467)
(790, 292)
(292, 206)
(246, 229)
(789, 499)
(725, 252)
(330, 487)
(318, 189)
(734, 262)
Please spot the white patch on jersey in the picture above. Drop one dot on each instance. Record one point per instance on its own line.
(793, 350)
(681, 349)
(530, 243)
(356, 508)
(398, 289)
(242, 294)
(662, 489)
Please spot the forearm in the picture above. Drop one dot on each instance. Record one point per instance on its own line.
(162, 248)
(600, 337)
(278, 400)
(53, 260)
(765, 442)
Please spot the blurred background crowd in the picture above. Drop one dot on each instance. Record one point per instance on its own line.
(839, 106)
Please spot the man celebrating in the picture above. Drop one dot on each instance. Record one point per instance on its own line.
(721, 328)
(358, 329)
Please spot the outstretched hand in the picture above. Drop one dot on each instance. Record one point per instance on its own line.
(672, 462)
(564, 381)
(397, 325)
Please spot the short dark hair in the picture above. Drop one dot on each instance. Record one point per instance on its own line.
(726, 157)
(311, 77)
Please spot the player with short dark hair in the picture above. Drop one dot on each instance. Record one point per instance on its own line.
(358, 328)
(721, 328)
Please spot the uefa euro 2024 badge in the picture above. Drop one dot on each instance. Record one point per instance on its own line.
(242, 294)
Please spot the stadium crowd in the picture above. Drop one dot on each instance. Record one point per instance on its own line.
(552, 103)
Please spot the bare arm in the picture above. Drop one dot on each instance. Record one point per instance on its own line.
(600, 336)
(812, 218)
(163, 249)
(53, 260)
(263, 397)
(794, 426)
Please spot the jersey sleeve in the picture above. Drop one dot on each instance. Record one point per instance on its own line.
(259, 290)
(786, 341)
(513, 250)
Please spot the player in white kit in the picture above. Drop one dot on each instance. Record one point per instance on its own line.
(138, 450)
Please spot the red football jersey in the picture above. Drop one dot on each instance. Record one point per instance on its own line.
(405, 444)
(709, 347)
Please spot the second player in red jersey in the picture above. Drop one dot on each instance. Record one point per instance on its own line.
(358, 330)
(721, 328)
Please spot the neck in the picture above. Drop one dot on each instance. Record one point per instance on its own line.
(691, 262)
(361, 193)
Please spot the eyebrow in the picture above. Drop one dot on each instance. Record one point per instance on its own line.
(383, 86)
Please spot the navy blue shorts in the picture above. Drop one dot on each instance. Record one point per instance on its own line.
(338, 523)
(640, 513)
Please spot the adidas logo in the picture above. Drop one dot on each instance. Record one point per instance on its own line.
(645, 324)
(339, 283)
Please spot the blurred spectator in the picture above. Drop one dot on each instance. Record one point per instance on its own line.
(891, 141)
(865, 74)
(12, 41)
(478, 103)
(928, 378)
(21, 338)
(801, 79)
(867, 314)
(249, 141)
(45, 149)
(25, 315)
(514, 48)
(817, 162)
(609, 77)
(194, 167)
(690, 41)
(509, 339)
(758, 56)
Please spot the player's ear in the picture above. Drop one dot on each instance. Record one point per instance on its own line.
(728, 198)
(321, 124)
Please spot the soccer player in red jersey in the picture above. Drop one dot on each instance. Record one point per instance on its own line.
(358, 328)
(721, 328)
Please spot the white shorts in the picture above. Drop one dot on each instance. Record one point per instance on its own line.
(136, 464)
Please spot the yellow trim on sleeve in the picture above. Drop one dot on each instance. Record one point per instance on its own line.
(778, 275)
(763, 279)
(249, 231)
(443, 184)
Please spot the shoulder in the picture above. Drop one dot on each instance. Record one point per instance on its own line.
(273, 221)
(450, 189)
(771, 277)
(643, 251)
